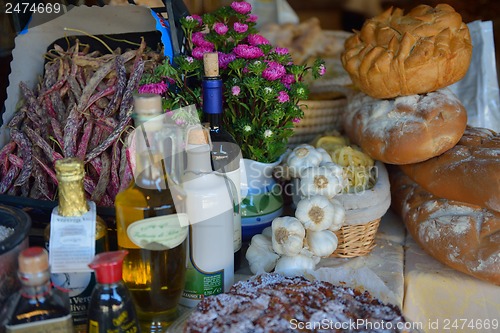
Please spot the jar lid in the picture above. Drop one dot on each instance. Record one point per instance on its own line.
(33, 260)
(108, 266)
(17, 219)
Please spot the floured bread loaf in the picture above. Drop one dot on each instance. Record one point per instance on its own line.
(274, 303)
(463, 236)
(407, 129)
(399, 55)
(468, 172)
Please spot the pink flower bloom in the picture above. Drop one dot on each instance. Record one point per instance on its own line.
(241, 7)
(240, 27)
(296, 120)
(169, 113)
(198, 39)
(153, 88)
(198, 52)
(256, 39)
(225, 59)
(283, 97)
(252, 18)
(288, 80)
(248, 51)
(322, 70)
(281, 50)
(220, 28)
(235, 90)
(180, 122)
(274, 71)
(196, 17)
(189, 59)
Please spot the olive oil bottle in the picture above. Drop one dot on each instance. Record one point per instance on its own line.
(149, 226)
(75, 234)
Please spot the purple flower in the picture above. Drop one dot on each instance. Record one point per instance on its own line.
(288, 80)
(180, 122)
(252, 18)
(241, 7)
(153, 88)
(274, 71)
(198, 39)
(198, 52)
(169, 113)
(235, 90)
(225, 59)
(283, 97)
(296, 120)
(321, 70)
(220, 28)
(240, 27)
(197, 18)
(248, 51)
(189, 59)
(281, 50)
(256, 39)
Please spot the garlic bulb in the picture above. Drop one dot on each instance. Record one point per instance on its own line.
(322, 243)
(295, 265)
(316, 212)
(302, 157)
(320, 181)
(325, 156)
(260, 255)
(339, 215)
(287, 235)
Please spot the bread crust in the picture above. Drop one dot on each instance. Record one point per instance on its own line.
(468, 172)
(406, 129)
(400, 55)
(463, 236)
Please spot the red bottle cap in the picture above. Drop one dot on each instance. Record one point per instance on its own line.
(108, 266)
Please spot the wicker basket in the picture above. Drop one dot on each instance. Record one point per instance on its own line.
(356, 240)
(320, 116)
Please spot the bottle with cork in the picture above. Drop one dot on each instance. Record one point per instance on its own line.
(209, 206)
(37, 307)
(75, 234)
(226, 154)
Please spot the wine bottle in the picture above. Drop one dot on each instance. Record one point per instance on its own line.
(149, 228)
(111, 305)
(209, 206)
(37, 307)
(226, 154)
(75, 234)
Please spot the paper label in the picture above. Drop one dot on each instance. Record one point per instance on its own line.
(57, 325)
(159, 233)
(72, 241)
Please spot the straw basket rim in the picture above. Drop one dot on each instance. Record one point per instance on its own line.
(356, 240)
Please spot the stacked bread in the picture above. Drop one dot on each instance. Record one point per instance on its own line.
(446, 185)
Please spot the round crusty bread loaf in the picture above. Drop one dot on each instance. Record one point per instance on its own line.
(399, 55)
(407, 129)
(468, 172)
(463, 236)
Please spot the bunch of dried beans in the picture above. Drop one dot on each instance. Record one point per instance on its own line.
(81, 107)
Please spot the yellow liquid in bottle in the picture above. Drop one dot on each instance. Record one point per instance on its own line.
(155, 278)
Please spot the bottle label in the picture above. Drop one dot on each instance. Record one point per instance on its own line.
(201, 284)
(123, 322)
(56, 325)
(160, 232)
(72, 241)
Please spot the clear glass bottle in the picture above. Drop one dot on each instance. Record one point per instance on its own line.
(72, 203)
(111, 306)
(209, 206)
(225, 153)
(37, 307)
(154, 268)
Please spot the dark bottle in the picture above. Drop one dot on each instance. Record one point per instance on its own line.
(111, 306)
(226, 154)
(37, 307)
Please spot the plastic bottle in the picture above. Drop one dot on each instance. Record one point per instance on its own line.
(111, 306)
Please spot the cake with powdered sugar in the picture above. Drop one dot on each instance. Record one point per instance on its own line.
(275, 303)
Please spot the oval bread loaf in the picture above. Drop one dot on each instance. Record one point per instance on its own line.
(468, 172)
(463, 236)
(399, 55)
(407, 129)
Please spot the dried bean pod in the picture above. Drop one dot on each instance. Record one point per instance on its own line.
(88, 185)
(16, 161)
(126, 174)
(84, 140)
(47, 170)
(31, 100)
(57, 131)
(8, 180)
(103, 181)
(71, 130)
(122, 125)
(114, 185)
(18, 117)
(97, 96)
(48, 107)
(6, 151)
(121, 83)
(26, 152)
(41, 183)
(132, 84)
(36, 139)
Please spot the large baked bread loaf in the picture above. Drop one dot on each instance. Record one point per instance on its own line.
(398, 55)
(407, 129)
(463, 236)
(468, 172)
